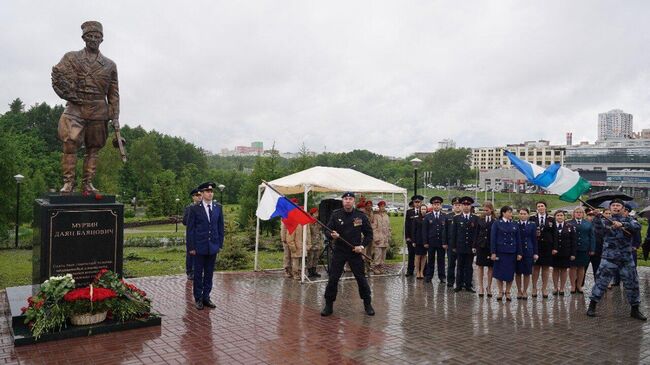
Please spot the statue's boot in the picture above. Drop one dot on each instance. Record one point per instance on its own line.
(68, 165)
(90, 167)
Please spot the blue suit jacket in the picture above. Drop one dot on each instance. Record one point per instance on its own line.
(528, 238)
(505, 237)
(203, 235)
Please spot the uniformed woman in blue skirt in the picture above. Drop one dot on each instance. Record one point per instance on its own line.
(528, 234)
(505, 246)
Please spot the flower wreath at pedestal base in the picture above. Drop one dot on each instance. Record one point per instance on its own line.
(108, 296)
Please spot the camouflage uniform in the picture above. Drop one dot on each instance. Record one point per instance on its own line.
(294, 243)
(316, 246)
(617, 257)
(381, 235)
(286, 257)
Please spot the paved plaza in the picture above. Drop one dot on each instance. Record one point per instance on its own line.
(263, 318)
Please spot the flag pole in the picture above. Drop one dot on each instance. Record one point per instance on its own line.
(328, 229)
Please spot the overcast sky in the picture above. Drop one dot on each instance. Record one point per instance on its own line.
(391, 77)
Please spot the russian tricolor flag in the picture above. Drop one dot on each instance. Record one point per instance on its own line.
(274, 205)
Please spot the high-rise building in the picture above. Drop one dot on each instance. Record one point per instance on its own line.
(446, 143)
(614, 124)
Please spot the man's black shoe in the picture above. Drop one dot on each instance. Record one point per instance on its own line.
(408, 274)
(427, 279)
(450, 285)
(471, 290)
(368, 308)
(442, 281)
(327, 309)
(208, 303)
(199, 305)
(636, 314)
(591, 312)
(458, 288)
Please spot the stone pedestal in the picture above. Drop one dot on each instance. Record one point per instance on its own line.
(78, 235)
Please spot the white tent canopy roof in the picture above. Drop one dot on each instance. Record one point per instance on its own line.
(332, 179)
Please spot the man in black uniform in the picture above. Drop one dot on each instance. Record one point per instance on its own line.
(411, 216)
(464, 231)
(189, 259)
(435, 233)
(451, 255)
(353, 226)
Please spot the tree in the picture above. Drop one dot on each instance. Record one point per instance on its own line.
(164, 191)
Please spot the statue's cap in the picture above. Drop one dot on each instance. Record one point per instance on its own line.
(92, 26)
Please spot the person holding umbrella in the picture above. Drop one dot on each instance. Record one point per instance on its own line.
(617, 256)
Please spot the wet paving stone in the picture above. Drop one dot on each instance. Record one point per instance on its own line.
(263, 318)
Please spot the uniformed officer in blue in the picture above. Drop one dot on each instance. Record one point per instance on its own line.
(451, 255)
(617, 256)
(585, 247)
(436, 240)
(352, 225)
(205, 233)
(464, 231)
(410, 220)
(195, 195)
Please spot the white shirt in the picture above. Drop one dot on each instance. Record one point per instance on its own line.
(205, 207)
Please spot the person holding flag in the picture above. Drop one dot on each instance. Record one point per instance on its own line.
(351, 225)
(617, 257)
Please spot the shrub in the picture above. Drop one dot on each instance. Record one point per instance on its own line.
(233, 255)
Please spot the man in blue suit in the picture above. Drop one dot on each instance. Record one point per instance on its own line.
(205, 235)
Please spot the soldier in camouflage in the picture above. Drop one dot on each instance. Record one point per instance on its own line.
(617, 256)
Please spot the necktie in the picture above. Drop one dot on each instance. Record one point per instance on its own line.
(579, 220)
(209, 211)
(559, 227)
(541, 221)
(436, 215)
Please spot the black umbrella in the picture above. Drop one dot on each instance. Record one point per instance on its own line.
(645, 212)
(606, 204)
(598, 198)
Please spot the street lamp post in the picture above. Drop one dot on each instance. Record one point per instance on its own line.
(416, 163)
(19, 178)
(221, 187)
(177, 200)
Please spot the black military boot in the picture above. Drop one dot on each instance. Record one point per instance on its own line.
(327, 309)
(591, 312)
(368, 307)
(636, 314)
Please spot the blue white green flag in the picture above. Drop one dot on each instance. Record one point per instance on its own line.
(555, 179)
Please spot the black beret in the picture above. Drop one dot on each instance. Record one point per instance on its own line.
(194, 192)
(617, 200)
(435, 199)
(207, 186)
(348, 194)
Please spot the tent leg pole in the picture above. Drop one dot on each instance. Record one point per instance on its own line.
(257, 230)
(304, 237)
(404, 248)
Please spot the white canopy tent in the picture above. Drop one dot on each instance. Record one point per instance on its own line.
(324, 179)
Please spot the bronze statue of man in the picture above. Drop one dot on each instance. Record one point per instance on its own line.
(87, 80)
